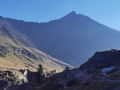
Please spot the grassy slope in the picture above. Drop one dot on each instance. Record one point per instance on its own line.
(18, 60)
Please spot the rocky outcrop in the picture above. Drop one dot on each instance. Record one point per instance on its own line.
(3, 51)
(15, 79)
(4, 31)
(102, 59)
(102, 68)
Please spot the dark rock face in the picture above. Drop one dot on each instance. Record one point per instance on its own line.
(102, 59)
(4, 31)
(3, 51)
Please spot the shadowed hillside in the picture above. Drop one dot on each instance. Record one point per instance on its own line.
(18, 52)
(72, 39)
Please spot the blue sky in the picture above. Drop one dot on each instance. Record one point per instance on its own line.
(106, 12)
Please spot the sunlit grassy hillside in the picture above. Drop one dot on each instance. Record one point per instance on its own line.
(14, 54)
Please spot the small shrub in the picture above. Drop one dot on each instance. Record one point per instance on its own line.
(40, 75)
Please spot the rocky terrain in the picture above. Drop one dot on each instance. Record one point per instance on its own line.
(100, 72)
(19, 59)
(10, 77)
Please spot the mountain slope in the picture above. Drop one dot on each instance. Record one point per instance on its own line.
(72, 39)
(17, 51)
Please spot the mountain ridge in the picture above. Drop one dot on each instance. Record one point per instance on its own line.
(72, 38)
(67, 38)
(13, 49)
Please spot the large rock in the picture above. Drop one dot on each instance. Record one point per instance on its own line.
(102, 59)
(15, 79)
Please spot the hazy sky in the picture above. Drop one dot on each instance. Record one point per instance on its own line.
(104, 11)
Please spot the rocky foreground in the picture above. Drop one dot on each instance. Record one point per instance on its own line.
(12, 79)
(100, 72)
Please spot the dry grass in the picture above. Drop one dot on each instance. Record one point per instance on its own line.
(23, 61)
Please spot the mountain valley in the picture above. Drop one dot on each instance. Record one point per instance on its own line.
(65, 48)
(72, 39)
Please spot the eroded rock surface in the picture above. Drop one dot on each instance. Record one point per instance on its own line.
(15, 79)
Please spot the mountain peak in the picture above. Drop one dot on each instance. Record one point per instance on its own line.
(72, 13)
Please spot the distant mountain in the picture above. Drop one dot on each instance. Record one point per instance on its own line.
(18, 52)
(72, 39)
